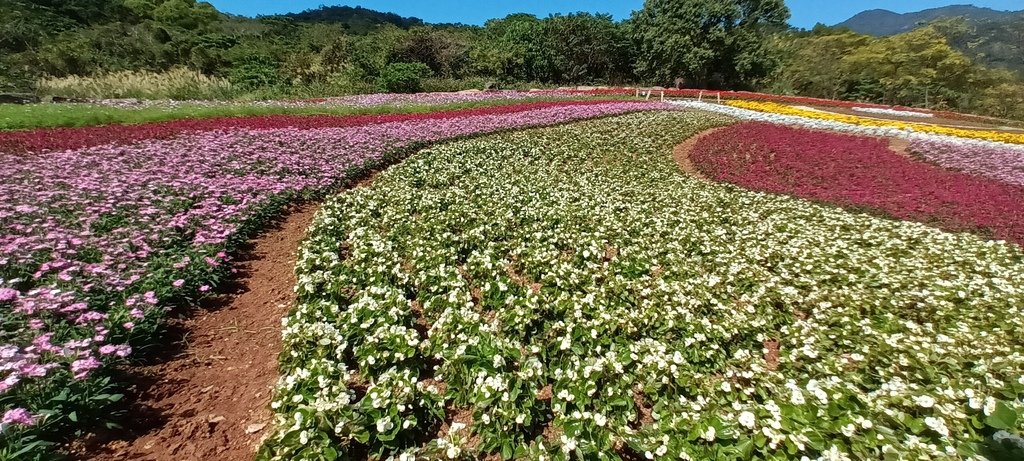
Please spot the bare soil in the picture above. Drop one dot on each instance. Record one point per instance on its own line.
(209, 399)
(681, 153)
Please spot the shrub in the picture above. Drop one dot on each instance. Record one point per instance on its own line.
(178, 83)
(253, 71)
(404, 77)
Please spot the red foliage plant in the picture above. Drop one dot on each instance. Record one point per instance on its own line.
(861, 173)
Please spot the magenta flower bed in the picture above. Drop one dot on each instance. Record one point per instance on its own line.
(99, 242)
(861, 173)
(1005, 164)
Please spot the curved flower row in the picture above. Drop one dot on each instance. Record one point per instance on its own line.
(1001, 163)
(98, 242)
(362, 100)
(52, 139)
(566, 293)
(995, 160)
(893, 112)
(785, 99)
(831, 125)
(860, 172)
(775, 108)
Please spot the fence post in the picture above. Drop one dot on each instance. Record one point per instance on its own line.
(719, 97)
(638, 93)
(700, 96)
(662, 95)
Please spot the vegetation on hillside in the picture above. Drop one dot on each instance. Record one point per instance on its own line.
(735, 44)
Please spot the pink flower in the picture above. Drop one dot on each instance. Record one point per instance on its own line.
(19, 416)
(81, 367)
(178, 283)
(129, 326)
(8, 294)
(120, 351)
(10, 381)
(204, 288)
(36, 324)
(136, 313)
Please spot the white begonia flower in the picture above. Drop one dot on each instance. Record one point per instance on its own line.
(709, 434)
(747, 419)
(937, 425)
(568, 444)
(385, 424)
(924, 401)
(453, 452)
(600, 419)
(990, 406)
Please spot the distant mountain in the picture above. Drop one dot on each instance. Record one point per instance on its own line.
(884, 22)
(357, 19)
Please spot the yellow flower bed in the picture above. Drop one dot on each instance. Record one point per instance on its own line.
(783, 109)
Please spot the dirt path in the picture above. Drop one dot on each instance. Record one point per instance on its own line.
(210, 398)
(681, 153)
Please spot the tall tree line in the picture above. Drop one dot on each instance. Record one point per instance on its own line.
(726, 44)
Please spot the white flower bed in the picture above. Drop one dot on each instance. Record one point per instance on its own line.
(893, 112)
(571, 295)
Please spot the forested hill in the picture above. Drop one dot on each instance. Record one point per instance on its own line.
(355, 19)
(881, 23)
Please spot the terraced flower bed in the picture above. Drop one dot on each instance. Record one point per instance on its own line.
(860, 173)
(567, 293)
(99, 242)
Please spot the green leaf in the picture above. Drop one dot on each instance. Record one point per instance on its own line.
(1003, 417)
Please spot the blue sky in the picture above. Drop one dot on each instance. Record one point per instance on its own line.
(805, 12)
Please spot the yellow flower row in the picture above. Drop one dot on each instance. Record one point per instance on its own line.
(782, 109)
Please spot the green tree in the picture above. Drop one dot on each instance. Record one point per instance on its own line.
(445, 52)
(813, 63)
(911, 67)
(404, 77)
(586, 48)
(708, 42)
(512, 49)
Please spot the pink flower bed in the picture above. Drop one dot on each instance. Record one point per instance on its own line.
(1005, 164)
(861, 173)
(98, 242)
(73, 138)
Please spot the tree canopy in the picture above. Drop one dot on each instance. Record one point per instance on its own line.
(719, 43)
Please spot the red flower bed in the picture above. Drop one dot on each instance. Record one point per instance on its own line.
(860, 172)
(75, 138)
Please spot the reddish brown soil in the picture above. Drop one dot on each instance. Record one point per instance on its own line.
(210, 400)
(681, 153)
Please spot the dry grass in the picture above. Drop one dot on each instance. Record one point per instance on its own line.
(179, 83)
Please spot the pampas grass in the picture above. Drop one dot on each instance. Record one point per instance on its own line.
(178, 83)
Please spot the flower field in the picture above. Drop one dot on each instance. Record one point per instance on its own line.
(782, 109)
(105, 229)
(1002, 163)
(860, 172)
(567, 293)
(892, 112)
(51, 139)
